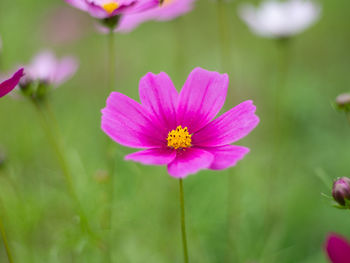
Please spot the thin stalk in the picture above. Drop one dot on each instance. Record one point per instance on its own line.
(224, 36)
(180, 46)
(6, 244)
(278, 154)
(110, 146)
(183, 221)
(55, 140)
(111, 60)
(1, 58)
(226, 66)
(283, 68)
(232, 220)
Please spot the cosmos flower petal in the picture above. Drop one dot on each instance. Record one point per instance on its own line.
(141, 6)
(201, 98)
(155, 156)
(9, 84)
(229, 127)
(42, 67)
(338, 249)
(96, 7)
(66, 68)
(277, 19)
(96, 11)
(159, 96)
(80, 4)
(226, 156)
(126, 122)
(45, 67)
(190, 161)
(167, 11)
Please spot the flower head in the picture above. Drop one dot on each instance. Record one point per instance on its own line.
(46, 68)
(103, 9)
(276, 19)
(46, 71)
(177, 129)
(341, 190)
(338, 249)
(9, 84)
(343, 102)
(168, 10)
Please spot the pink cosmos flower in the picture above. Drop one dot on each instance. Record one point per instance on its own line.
(46, 68)
(279, 19)
(8, 85)
(168, 10)
(177, 129)
(109, 8)
(338, 249)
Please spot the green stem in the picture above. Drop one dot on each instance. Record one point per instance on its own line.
(6, 244)
(283, 68)
(183, 221)
(111, 60)
(56, 142)
(110, 146)
(232, 219)
(180, 46)
(348, 116)
(1, 59)
(224, 36)
(278, 154)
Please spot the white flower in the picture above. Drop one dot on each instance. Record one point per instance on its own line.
(280, 19)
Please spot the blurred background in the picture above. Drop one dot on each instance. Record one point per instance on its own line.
(269, 208)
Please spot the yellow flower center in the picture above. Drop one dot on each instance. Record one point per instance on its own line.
(110, 7)
(165, 2)
(179, 138)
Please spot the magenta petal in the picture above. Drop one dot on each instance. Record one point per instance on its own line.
(229, 127)
(163, 12)
(96, 10)
(155, 156)
(338, 249)
(141, 6)
(126, 122)
(226, 156)
(159, 96)
(201, 98)
(9, 84)
(190, 161)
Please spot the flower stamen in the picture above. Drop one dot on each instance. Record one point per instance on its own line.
(179, 138)
(110, 7)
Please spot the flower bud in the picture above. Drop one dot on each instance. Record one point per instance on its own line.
(341, 190)
(343, 101)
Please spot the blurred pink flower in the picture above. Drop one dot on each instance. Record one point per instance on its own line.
(169, 10)
(338, 249)
(8, 85)
(177, 129)
(63, 25)
(109, 8)
(277, 19)
(46, 68)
